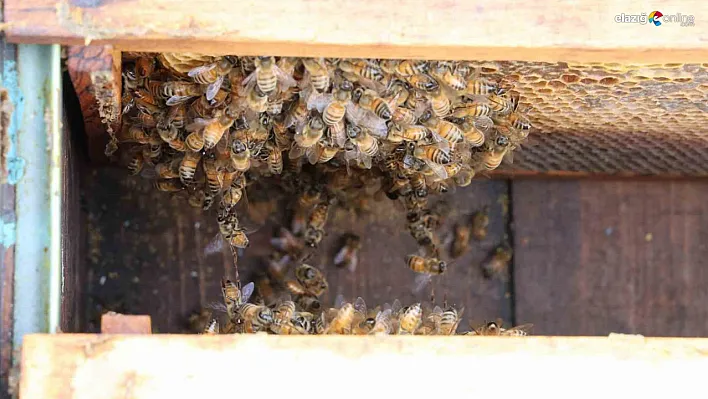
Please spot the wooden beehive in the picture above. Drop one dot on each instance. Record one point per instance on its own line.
(566, 65)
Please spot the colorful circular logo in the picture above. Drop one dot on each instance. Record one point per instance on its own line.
(654, 17)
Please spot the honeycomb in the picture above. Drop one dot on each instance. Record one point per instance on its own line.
(611, 118)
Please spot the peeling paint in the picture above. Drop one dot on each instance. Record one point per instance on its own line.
(7, 233)
(15, 166)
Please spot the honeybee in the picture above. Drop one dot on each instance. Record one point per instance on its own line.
(235, 296)
(498, 263)
(309, 303)
(168, 186)
(471, 110)
(311, 279)
(501, 105)
(480, 87)
(200, 199)
(230, 229)
(214, 177)
(410, 319)
(322, 152)
(286, 242)
(480, 223)
(212, 74)
(342, 321)
(363, 69)
(211, 328)
(495, 152)
(440, 103)
(301, 323)
(382, 323)
(194, 142)
(178, 92)
(234, 192)
(319, 74)
(369, 100)
(403, 116)
(473, 136)
(267, 75)
(144, 67)
(240, 156)
(132, 134)
(406, 68)
(275, 159)
(434, 157)
(307, 199)
(423, 82)
(444, 74)
(314, 232)
(188, 167)
(335, 110)
(281, 317)
(166, 170)
(463, 69)
(408, 133)
(495, 329)
(212, 129)
(136, 162)
(256, 100)
(519, 121)
(449, 320)
(365, 146)
(461, 241)
(442, 129)
(347, 256)
(310, 135)
(255, 317)
(420, 264)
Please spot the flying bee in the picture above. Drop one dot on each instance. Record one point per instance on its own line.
(461, 241)
(287, 242)
(267, 75)
(240, 156)
(188, 167)
(347, 256)
(501, 105)
(410, 319)
(314, 231)
(498, 263)
(212, 74)
(450, 320)
(423, 82)
(177, 92)
(480, 223)
(168, 186)
(311, 134)
(255, 317)
(211, 129)
(311, 279)
(235, 296)
(319, 74)
(420, 264)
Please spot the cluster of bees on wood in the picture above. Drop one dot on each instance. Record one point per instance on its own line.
(329, 132)
(286, 317)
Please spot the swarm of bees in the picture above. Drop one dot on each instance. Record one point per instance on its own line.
(330, 132)
(287, 317)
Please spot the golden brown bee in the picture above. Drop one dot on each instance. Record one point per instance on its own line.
(445, 75)
(177, 92)
(234, 192)
(494, 155)
(342, 321)
(461, 241)
(362, 68)
(211, 129)
(495, 329)
(501, 105)
(410, 319)
(214, 176)
(335, 110)
(347, 256)
(498, 263)
(443, 129)
(168, 170)
(267, 75)
(432, 153)
(201, 199)
(235, 296)
(440, 103)
(275, 159)
(195, 141)
(309, 303)
(255, 317)
(369, 100)
(403, 116)
(480, 223)
(471, 110)
(310, 135)
(420, 264)
(463, 69)
(135, 165)
(423, 82)
(449, 320)
(144, 67)
(211, 328)
(472, 135)
(366, 145)
(311, 279)
(406, 68)
(281, 317)
(319, 74)
(274, 104)
(519, 121)
(213, 75)
(408, 133)
(188, 167)
(256, 100)
(240, 156)
(314, 232)
(479, 87)
(168, 186)
(133, 134)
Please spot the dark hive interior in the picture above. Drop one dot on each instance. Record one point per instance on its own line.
(575, 268)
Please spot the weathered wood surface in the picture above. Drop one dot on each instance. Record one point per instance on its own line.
(95, 72)
(596, 257)
(116, 323)
(137, 366)
(432, 29)
(146, 254)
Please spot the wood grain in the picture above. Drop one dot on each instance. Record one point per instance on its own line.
(166, 366)
(146, 254)
(95, 72)
(432, 29)
(595, 257)
(115, 323)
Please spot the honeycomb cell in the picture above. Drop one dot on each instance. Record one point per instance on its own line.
(570, 78)
(588, 81)
(609, 81)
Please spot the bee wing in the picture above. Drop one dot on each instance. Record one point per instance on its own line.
(508, 157)
(214, 88)
(439, 170)
(440, 141)
(340, 256)
(218, 306)
(353, 262)
(296, 152)
(198, 124)
(483, 123)
(176, 100)
(525, 328)
(200, 69)
(383, 315)
(129, 105)
(148, 172)
(319, 101)
(246, 292)
(339, 301)
(364, 118)
(339, 136)
(360, 306)
(396, 307)
(313, 153)
(420, 282)
(215, 245)
(249, 80)
(286, 81)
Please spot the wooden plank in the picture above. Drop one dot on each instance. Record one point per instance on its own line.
(188, 366)
(562, 30)
(595, 257)
(95, 72)
(153, 245)
(116, 323)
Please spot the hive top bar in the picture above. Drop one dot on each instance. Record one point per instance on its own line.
(430, 29)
